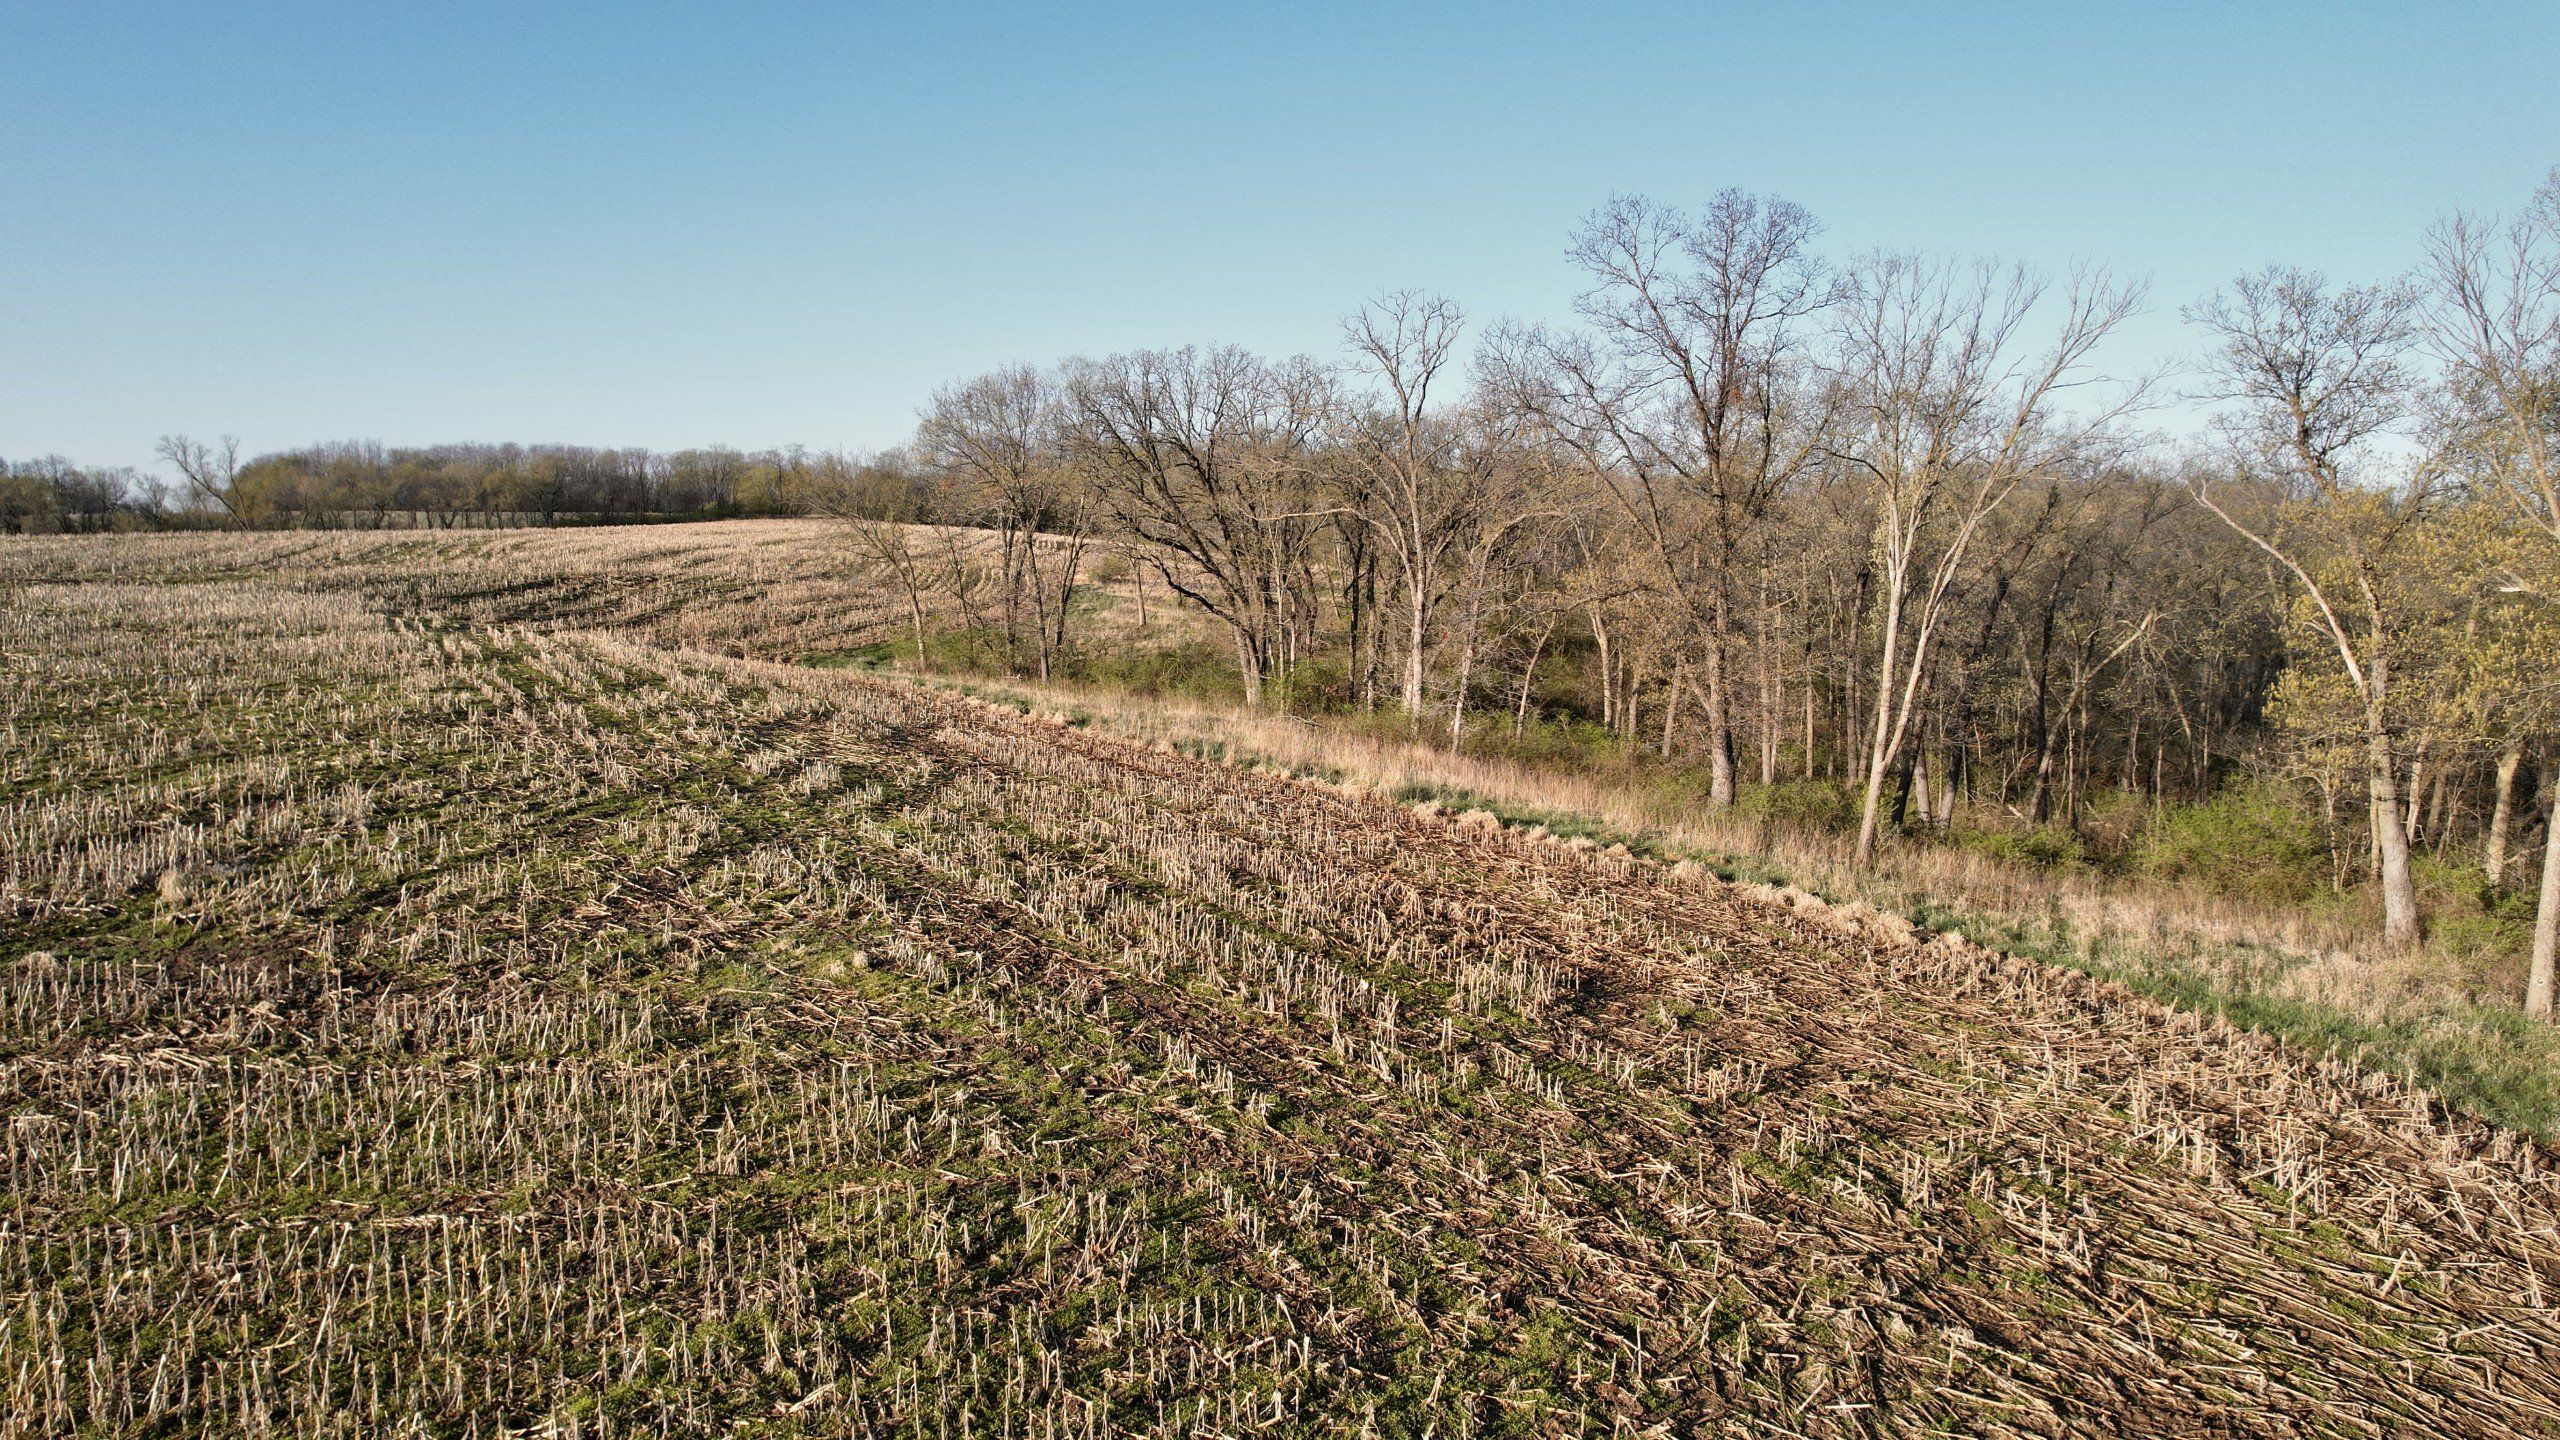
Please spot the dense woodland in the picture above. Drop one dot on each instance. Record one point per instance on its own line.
(1880, 541)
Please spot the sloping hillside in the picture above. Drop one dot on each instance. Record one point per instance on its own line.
(780, 589)
(418, 1022)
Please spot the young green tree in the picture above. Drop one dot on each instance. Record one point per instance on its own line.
(2315, 374)
(2496, 323)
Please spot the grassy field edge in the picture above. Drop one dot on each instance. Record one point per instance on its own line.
(2485, 1059)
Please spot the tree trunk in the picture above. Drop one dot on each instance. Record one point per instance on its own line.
(2075, 765)
(1853, 744)
(1369, 657)
(1671, 705)
(1528, 677)
(2040, 800)
(1808, 724)
(1880, 745)
(2502, 812)
(1417, 602)
(1458, 701)
(2416, 793)
(2539, 979)
(1010, 559)
(1773, 699)
(2040, 725)
(1039, 612)
(2338, 862)
(1038, 584)
(1608, 673)
(1951, 766)
(2391, 837)
(1248, 666)
(1071, 565)
(1719, 706)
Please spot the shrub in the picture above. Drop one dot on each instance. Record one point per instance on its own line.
(1815, 805)
(2047, 847)
(1196, 669)
(2253, 842)
(1545, 740)
(2484, 930)
(1318, 686)
(2110, 823)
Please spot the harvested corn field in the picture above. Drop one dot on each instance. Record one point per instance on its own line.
(779, 589)
(423, 1016)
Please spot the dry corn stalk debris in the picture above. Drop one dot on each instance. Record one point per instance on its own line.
(424, 1015)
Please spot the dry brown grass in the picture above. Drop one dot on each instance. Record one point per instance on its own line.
(2218, 947)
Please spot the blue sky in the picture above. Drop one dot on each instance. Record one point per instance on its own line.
(761, 224)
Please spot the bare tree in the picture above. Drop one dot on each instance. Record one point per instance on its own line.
(1686, 401)
(2496, 324)
(885, 507)
(1947, 408)
(210, 470)
(1516, 500)
(998, 438)
(1413, 478)
(1205, 459)
(2316, 374)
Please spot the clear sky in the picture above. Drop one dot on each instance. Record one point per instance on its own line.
(759, 224)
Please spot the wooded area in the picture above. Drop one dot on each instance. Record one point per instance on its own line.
(1882, 526)
(1880, 539)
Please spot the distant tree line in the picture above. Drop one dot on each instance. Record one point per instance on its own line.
(364, 484)
(50, 494)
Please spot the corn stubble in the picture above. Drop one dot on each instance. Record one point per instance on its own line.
(419, 1020)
